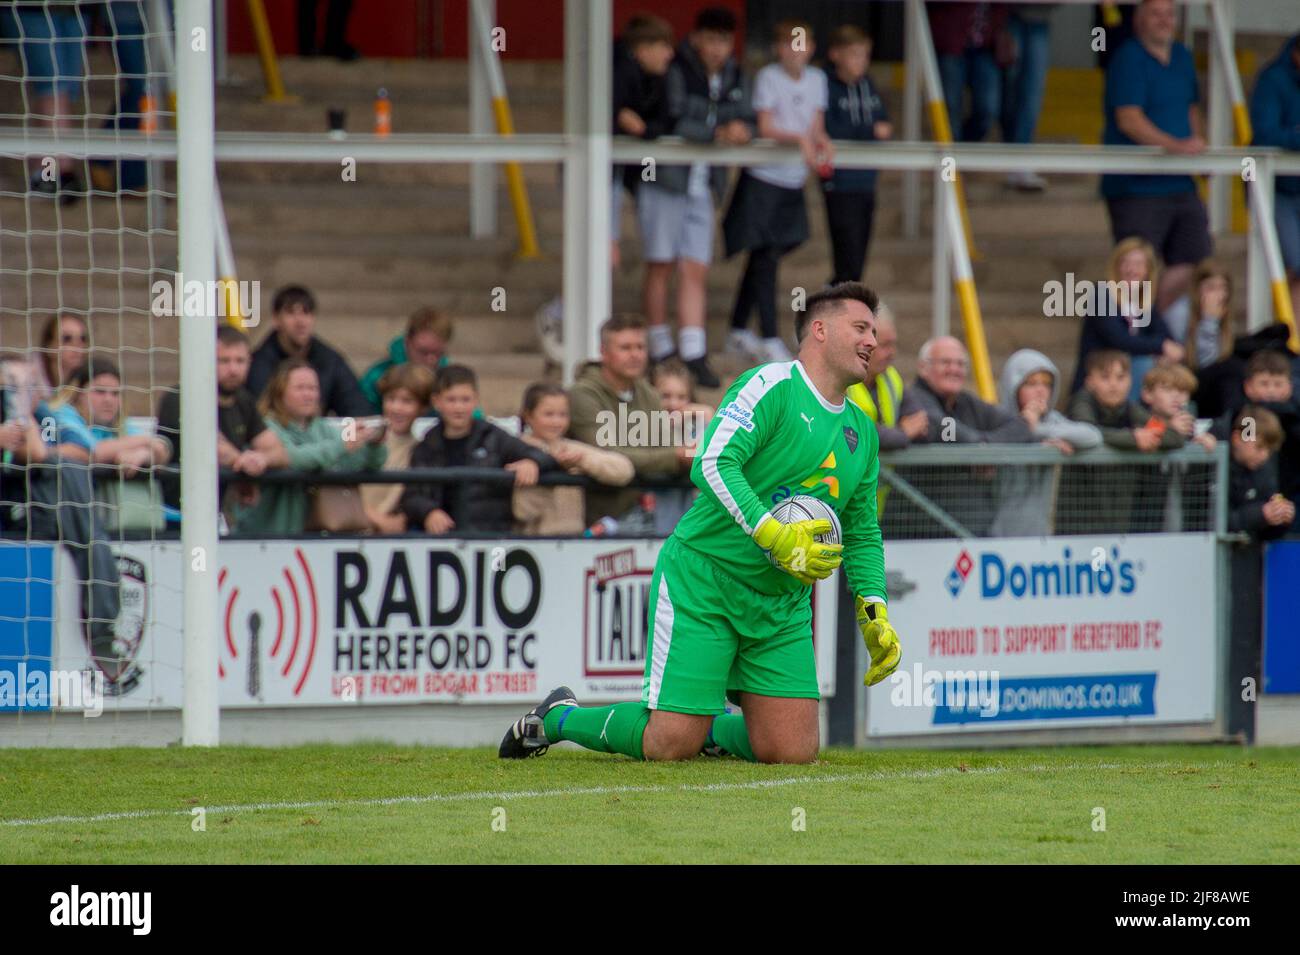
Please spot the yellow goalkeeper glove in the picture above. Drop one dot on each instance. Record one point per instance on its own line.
(795, 550)
(881, 640)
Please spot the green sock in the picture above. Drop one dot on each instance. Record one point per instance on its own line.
(729, 732)
(606, 729)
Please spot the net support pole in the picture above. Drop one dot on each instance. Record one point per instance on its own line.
(482, 175)
(196, 230)
(911, 119)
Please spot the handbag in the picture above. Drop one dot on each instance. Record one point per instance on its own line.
(336, 508)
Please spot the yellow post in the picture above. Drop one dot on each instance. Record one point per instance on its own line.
(973, 323)
(1282, 309)
(515, 183)
(943, 134)
(234, 307)
(266, 53)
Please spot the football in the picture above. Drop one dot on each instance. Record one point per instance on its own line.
(805, 507)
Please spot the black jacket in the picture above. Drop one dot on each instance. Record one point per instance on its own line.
(696, 113)
(1111, 330)
(975, 421)
(340, 394)
(643, 94)
(1248, 492)
(473, 506)
(852, 113)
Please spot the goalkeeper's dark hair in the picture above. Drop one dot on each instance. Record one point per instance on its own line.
(832, 300)
(293, 296)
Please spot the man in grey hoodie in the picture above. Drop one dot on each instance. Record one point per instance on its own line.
(1029, 387)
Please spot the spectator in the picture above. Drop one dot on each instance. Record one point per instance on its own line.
(1105, 403)
(407, 390)
(1151, 100)
(640, 102)
(291, 408)
(1255, 504)
(294, 323)
(87, 415)
(894, 408)
(971, 44)
(245, 444)
(615, 390)
(51, 40)
(46, 494)
(1166, 392)
(954, 414)
(124, 22)
(854, 111)
(1210, 329)
(1124, 317)
(707, 102)
(65, 341)
(460, 440)
(428, 332)
(1268, 385)
(560, 509)
(1023, 82)
(688, 418)
(767, 217)
(1029, 388)
(1275, 117)
(336, 44)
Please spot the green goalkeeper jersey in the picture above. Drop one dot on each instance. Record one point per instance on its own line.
(773, 437)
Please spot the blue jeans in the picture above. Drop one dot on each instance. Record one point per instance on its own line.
(51, 45)
(1286, 214)
(976, 68)
(1025, 80)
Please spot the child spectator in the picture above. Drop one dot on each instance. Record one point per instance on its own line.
(854, 111)
(1029, 389)
(1166, 392)
(1104, 402)
(1268, 384)
(1125, 318)
(688, 418)
(428, 332)
(1255, 506)
(291, 407)
(707, 102)
(561, 509)
(1210, 330)
(406, 391)
(640, 102)
(460, 440)
(767, 217)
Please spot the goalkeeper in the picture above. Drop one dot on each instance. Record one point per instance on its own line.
(730, 612)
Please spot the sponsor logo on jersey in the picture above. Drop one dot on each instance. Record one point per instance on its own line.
(741, 415)
(851, 439)
(821, 477)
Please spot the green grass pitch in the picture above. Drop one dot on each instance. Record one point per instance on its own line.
(375, 803)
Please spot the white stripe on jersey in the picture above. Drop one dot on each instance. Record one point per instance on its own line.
(763, 380)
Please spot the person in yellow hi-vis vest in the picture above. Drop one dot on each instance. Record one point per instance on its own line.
(899, 418)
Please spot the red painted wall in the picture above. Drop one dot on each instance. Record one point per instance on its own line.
(396, 28)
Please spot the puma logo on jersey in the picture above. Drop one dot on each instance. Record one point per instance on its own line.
(807, 420)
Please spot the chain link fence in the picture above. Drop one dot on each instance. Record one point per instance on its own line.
(1035, 491)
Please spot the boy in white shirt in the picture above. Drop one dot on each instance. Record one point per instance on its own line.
(767, 216)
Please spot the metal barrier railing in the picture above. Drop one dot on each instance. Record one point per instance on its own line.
(1030, 491)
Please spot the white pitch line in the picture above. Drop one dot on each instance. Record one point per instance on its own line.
(878, 775)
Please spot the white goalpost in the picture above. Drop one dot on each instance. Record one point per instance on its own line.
(195, 183)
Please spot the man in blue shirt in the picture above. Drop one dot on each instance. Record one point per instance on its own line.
(1152, 99)
(1275, 116)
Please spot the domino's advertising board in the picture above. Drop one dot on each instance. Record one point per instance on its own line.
(1007, 634)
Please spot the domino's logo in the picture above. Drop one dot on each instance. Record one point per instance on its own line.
(956, 578)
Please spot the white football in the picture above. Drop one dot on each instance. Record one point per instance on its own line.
(805, 507)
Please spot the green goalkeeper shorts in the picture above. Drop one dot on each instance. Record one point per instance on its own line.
(711, 635)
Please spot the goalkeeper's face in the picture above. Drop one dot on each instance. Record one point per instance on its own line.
(850, 340)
